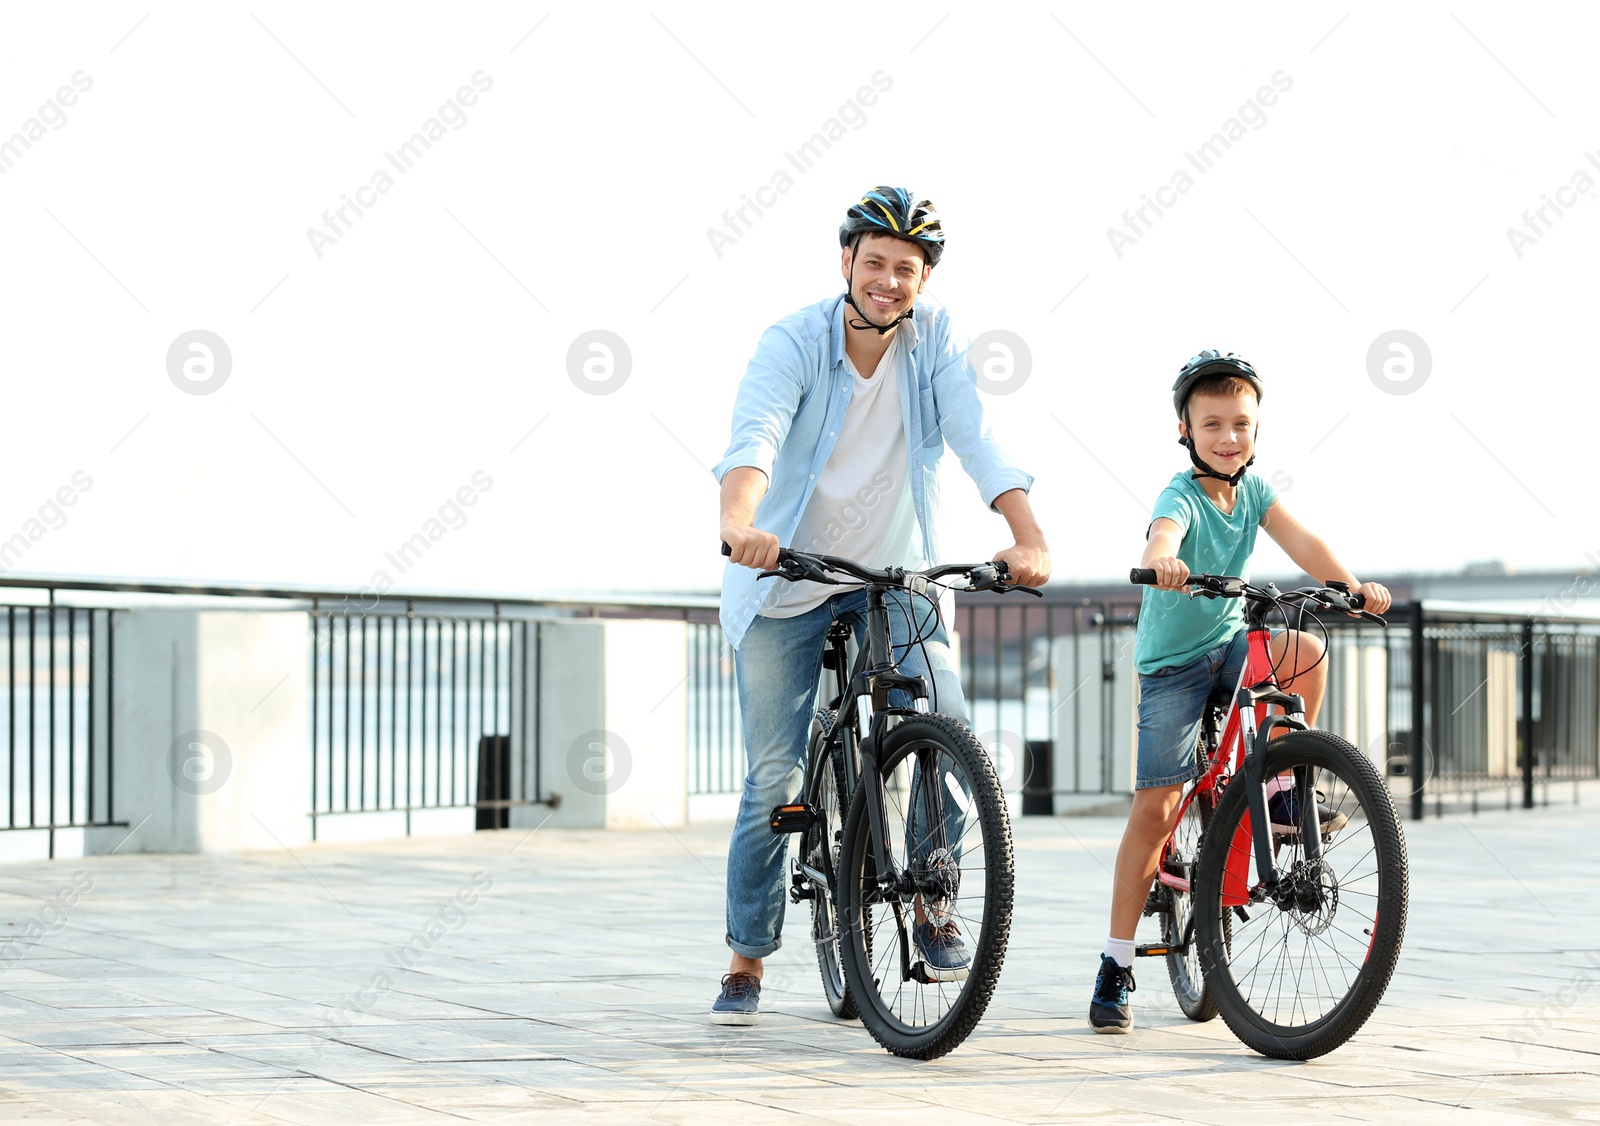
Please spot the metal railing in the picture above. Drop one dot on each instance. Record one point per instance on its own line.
(59, 746)
(414, 712)
(1505, 704)
(716, 739)
(425, 703)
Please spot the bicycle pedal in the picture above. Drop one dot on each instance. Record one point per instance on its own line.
(793, 818)
(1155, 950)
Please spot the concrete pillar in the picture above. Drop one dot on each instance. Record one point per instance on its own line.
(210, 715)
(613, 699)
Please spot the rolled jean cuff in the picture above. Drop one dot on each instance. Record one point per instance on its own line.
(1170, 780)
(744, 951)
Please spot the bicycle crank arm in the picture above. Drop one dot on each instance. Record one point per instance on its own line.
(815, 877)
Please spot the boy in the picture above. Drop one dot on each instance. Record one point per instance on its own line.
(1205, 520)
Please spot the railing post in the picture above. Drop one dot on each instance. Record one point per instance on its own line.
(1525, 720)
(1417, 766)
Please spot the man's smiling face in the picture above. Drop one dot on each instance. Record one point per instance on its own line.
(889, 273)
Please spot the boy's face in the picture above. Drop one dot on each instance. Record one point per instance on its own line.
(889, 273)
(1223, 429)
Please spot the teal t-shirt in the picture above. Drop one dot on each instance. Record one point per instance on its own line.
(1173, 628)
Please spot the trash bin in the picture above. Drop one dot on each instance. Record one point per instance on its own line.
(494, 782)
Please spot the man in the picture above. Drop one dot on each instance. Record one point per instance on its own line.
(838, 429)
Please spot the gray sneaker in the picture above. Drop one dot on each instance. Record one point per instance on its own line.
(945, 956)
(739, 1003)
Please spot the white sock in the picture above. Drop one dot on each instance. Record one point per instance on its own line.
(1120, 950)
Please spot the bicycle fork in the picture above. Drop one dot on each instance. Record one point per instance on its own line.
(1304, 791)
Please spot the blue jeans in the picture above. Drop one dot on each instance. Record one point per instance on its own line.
(779, 664)
(1172, 704)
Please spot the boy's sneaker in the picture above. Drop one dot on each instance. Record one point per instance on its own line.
(739, 1003)
(1284, 813)
(945, 956)
(1108, 1008)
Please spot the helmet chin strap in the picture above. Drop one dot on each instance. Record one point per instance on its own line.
(849, 295)
(1204, 470)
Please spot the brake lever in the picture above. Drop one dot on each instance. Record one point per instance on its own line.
(1003, 588)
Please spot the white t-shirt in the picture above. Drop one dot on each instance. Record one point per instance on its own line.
(861, 507)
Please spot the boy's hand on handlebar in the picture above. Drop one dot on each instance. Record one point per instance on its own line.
(1172, 573)
(751, 547)
(1376, 595)
(1030, 566)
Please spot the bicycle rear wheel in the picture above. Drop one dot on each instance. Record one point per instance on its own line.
(819, 849)
(949, 841)
(1304, 971)
(1178, 922)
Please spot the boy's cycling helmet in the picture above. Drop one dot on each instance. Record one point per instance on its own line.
(897, 212)
(1211, 364)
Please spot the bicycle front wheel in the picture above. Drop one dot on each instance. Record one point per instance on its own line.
(923, 944)
(1306, 967)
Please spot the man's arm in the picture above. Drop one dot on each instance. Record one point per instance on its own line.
(769, 395)
(1315, 558)
(1029, 556)
(742, 490)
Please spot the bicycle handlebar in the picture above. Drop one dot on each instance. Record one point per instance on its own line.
(802, 565)
(1333, 595)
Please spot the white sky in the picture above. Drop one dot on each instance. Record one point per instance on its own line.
(425, 344)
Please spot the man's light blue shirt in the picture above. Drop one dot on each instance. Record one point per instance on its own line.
(792, 401)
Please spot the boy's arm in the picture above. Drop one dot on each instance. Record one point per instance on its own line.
(1161, 553)
(1315, 558)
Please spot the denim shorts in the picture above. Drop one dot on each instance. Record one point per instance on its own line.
(1171, 705)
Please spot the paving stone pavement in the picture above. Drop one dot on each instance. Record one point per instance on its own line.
(564, 976)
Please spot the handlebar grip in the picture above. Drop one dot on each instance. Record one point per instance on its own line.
(1143, 576)
(726, 550)
(1357, 601)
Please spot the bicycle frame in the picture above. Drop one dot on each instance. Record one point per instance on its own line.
(1242, 749)
(861, 701)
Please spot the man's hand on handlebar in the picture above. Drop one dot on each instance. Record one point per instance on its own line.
(1029, 566)
(751, 547)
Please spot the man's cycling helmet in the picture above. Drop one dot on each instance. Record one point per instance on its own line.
(1211, 364)
(895, 211)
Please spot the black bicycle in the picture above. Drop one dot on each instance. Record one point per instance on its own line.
(905, 843)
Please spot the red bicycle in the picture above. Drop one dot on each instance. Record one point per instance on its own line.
(1282, 890)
